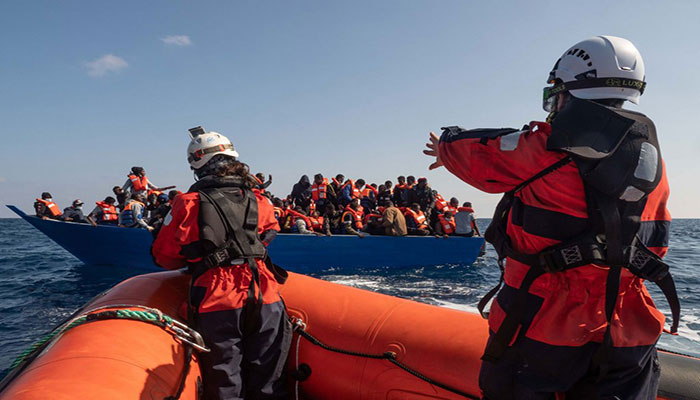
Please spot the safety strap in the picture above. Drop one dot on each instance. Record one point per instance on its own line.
(504, 250)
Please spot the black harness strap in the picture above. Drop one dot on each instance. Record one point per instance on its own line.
(501, 215)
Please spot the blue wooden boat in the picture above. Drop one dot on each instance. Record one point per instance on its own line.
(109, 245)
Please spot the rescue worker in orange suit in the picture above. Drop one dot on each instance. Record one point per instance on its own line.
(104, 213)
(582, 224)
(45, 207)
(234, 298)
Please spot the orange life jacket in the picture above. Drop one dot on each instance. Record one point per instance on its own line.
(356, 216)
(109, 211)
(369, 189)
(316, 223)
(295, 215)
(466, 209)
(448, 226)
(279, 213)
(418, 218)
(355, 192)
(139, 183)
(312, 207)
(440, 203)
(51, 206)
(319, 191)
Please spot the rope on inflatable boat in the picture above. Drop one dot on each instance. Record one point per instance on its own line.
(190, 338)
(300, 328)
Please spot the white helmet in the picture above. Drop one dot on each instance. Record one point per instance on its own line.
(602, 67)
(205, 145)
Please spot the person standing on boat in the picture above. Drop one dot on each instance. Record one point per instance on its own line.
(45, 207)
(393, 221)
(582, 224)
(138, 182)
(219, 229)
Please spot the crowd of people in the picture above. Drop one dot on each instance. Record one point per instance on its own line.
(136, 204)
(322, 207)
(355, 207)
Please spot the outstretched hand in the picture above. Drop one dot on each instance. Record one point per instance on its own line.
(434, 151)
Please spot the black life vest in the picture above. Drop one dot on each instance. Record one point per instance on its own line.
(617, 155)
(228, 224)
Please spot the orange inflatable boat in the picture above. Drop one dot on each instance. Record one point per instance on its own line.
(125, 345)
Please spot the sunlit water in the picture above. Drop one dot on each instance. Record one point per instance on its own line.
(41, 284)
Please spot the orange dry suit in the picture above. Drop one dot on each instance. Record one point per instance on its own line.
(582, 225)
(219, 230)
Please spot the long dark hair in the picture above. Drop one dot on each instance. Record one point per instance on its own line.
(222, 166)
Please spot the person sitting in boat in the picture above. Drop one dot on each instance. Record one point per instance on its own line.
(416, 221)
(393, 221)
(373, 222)
(301, 222)
(133, 214)
(352, 219)
(331, 221)
(45, 207)
(445, 225)
(278, 208)
(121, 197)
(104, 213)
(368, 196)
(351, 190)
(74, 213)
(234, 296)
(465, 221)
(583, 222)
(162, 208)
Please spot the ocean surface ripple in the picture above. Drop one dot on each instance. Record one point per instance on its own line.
(41, 284)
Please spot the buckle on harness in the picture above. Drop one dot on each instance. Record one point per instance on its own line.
(217, 258)
(548, 262)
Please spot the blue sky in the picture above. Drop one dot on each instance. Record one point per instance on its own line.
(89, 89)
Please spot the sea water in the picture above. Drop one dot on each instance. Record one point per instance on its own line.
(41, 284)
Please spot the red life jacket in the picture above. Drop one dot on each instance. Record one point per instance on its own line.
(139, 183)
(418, 218)
(319, 191)
(109, 211)
(356, 216)
(316, 223)
(51, 206)
(465, 209)
(369, 217)
(448, 226)
(295, 215)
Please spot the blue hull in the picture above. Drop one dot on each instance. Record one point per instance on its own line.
(108, 245)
